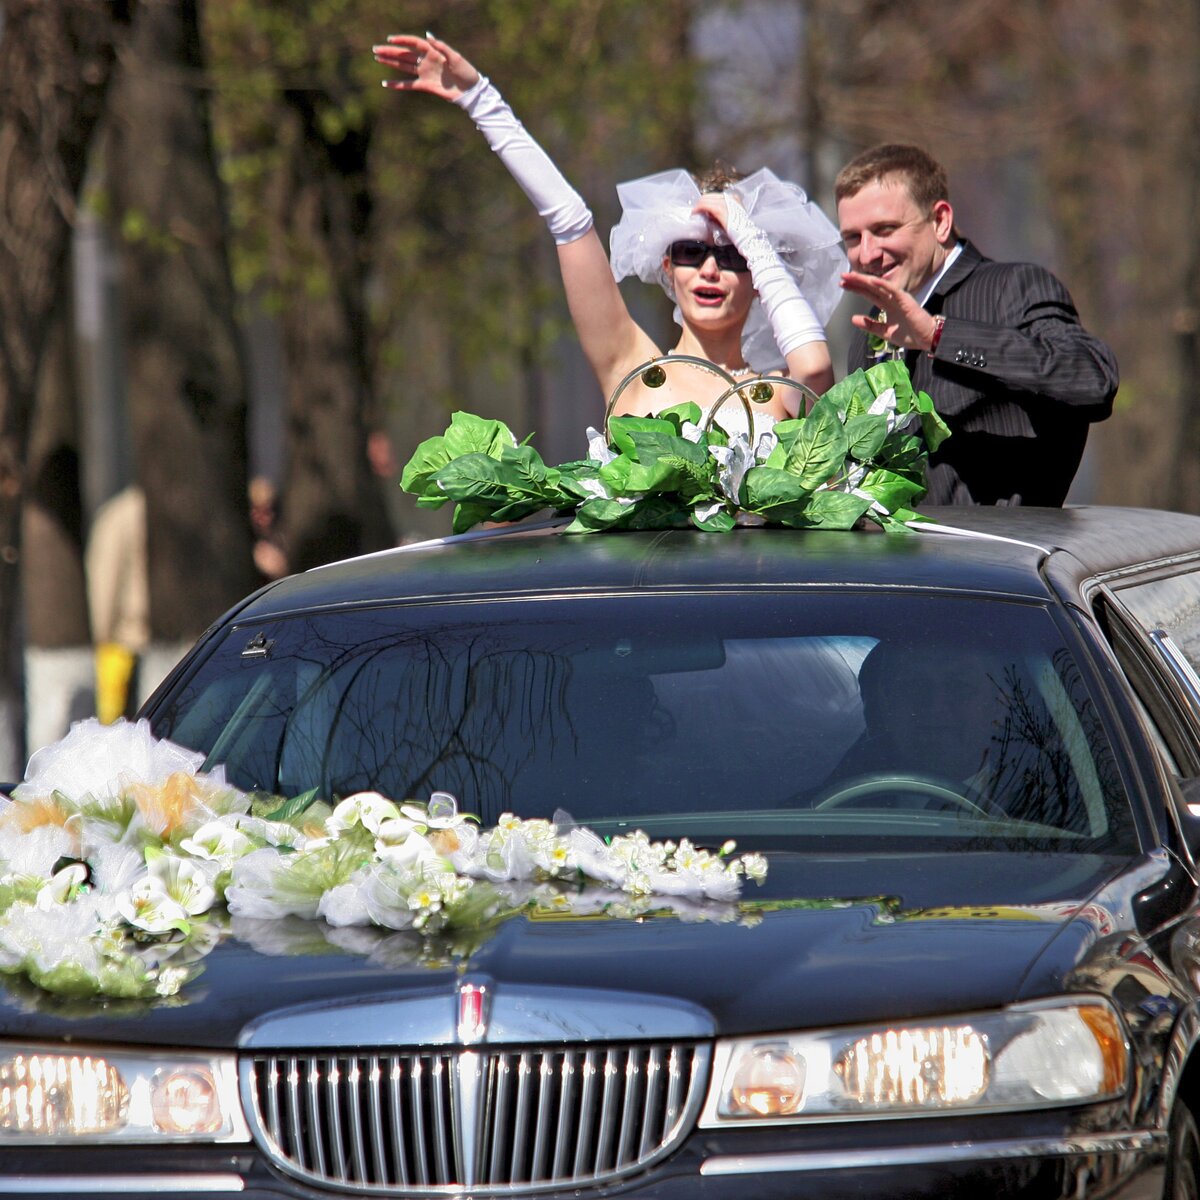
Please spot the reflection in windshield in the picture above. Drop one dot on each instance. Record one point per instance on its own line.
(757, 717)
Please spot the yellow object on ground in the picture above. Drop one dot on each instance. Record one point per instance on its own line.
(114, 673)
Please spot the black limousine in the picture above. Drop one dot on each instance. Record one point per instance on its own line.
(965, 758)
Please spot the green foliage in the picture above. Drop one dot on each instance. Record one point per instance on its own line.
(849, 458)
(446, 239)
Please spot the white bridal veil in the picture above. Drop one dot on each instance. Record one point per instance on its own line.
(657, 210)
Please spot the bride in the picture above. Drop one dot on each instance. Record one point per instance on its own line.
(729, 251)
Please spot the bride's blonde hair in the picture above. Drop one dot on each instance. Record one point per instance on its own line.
(717, 178)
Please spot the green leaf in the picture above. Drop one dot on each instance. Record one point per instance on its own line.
(936, 430)
(852, 395)
(658, 512)
(677, 414)
(518, 510)
(765, 489)
(572, 477)
(469, 434)
(468, 514)
(678, 473)
(865, 435)
(597, 514)
(820, 447)
(786, 431)
(475, 478)
(722, 521)
(904, 453)
(777, 459)
(892, 373)
(622, 431)
(525, 474)
(432, 500)
(830, 510)
(893, 491)
(615, 475)
(428, 458)
(292, 808)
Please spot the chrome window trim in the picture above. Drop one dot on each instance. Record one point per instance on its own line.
(1183, 670)
(946, 1152)
(105, 1185)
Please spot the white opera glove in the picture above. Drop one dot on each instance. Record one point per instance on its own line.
(557, 202)
(792, 319)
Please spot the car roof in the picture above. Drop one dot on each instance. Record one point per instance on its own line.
(992, 550)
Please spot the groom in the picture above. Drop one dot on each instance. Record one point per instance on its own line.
(998, 346)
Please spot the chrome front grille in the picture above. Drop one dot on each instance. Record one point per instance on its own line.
(492, 1120)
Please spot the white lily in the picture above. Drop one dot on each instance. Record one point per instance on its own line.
(148, 906)
(767, 441)
(62, 886)
(733, 461)
(594, 488)
(885, 402)
(598, 448)
(274, 833)
(755, 866)
(410, 852)
(217, 841)
(368, 809)
(188, 884)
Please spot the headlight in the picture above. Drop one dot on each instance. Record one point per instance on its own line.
(69, 1093)
(1027, 1056)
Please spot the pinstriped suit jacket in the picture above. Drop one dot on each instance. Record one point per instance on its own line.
(1016, 377)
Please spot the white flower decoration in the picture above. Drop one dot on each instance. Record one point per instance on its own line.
(217, 841)
(62, 886)
(147, 906)
(187, 883)
(733, 461)
(598, 449)
(368, 809)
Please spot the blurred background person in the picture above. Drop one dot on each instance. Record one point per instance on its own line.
(118, 599)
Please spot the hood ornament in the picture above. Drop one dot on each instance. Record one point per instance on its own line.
(473, 1007)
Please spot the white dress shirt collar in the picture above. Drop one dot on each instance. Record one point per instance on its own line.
(922, 296)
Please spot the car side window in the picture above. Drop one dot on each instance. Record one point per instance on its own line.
(1171, 605)
(1156, 687)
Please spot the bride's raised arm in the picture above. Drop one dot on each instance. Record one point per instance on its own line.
(611, 340)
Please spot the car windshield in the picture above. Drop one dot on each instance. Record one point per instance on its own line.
(860, 719)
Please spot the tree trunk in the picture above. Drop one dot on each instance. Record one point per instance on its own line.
(187, 384)
(1183, 475)
(55, 63)
(332, 505)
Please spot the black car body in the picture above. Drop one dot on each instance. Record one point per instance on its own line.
(852, 1026)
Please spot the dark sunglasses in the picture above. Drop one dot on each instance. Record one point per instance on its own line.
(693, 254)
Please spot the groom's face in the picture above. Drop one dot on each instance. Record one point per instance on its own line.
(887, 235)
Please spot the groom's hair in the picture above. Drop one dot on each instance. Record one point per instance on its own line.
(923, 175)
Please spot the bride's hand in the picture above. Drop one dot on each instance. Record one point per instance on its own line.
(713, 206)
(436, 67)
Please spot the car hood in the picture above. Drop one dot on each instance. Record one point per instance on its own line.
(825, 941)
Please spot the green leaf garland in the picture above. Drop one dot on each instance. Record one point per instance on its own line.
(859, 453)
